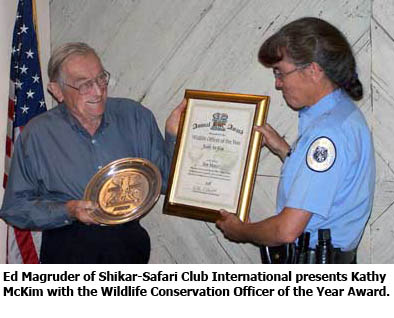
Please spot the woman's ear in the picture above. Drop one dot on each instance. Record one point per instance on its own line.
(56, 91)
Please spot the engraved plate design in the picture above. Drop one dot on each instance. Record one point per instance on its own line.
(123, 193)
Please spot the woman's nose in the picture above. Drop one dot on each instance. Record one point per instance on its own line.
(278, 83)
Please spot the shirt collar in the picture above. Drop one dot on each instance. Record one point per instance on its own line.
(76, 125)
(323, 106)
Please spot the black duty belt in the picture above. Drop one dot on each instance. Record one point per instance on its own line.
(286, 254)
(341, 257)
(282, 254)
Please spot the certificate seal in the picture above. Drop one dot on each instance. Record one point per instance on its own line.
(124, 190)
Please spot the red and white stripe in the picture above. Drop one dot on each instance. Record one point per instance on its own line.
(23, 246)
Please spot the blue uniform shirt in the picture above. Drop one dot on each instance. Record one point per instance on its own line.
(331, 171)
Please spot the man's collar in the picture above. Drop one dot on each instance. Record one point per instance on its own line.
(76, 125)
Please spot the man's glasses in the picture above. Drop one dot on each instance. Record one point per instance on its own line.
(84, 88)
(279, 75)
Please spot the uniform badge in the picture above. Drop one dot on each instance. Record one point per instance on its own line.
(321, 154)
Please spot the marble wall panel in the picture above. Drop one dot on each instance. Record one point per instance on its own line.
(382, 219)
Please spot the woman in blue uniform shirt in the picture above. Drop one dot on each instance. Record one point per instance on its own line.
(328, 174)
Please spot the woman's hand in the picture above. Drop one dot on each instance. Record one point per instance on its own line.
(274, 141)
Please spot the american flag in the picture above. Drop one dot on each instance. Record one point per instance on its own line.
(26, 100)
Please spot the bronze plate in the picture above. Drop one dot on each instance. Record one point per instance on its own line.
(125, 189)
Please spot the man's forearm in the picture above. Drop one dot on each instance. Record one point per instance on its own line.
(26, 212)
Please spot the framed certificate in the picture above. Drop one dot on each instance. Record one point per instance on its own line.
(216, 155)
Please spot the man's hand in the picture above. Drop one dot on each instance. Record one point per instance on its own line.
(80, 210)
(273, 141)
(172, 122)
(231, 226)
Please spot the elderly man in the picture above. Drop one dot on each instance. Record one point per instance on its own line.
(60, 150)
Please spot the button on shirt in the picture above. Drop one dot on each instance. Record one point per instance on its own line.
(55, 157)
(339, 198)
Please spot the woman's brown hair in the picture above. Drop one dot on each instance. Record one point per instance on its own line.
(310, 40)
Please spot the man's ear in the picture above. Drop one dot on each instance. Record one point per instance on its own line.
(56, 91)
(316, 71)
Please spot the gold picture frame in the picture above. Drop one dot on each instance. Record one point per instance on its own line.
(216, 155)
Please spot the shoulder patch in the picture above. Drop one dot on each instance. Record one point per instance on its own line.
(321, 154)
